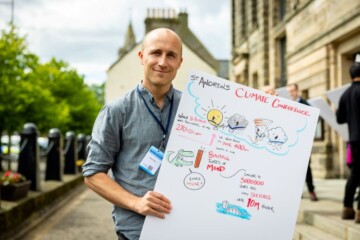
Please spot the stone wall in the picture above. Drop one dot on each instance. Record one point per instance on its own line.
(320, 38)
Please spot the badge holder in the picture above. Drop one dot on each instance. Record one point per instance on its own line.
(152, 161)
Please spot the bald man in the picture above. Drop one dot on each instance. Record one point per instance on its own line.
(130, 129)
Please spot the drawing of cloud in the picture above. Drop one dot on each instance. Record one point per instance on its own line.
(237, 122)
(277, 141)
(277, 136)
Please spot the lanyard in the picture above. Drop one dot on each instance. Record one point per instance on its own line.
(164, 129)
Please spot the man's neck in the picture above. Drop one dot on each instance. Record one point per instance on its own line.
(357, 79)
(158, 94)
(159, 99)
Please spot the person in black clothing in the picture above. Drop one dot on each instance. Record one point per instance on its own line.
(293, 91)
(349, 112)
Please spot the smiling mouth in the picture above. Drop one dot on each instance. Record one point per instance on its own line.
(160, 71)
(213, 122)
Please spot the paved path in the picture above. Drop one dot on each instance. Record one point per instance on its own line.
(87, 216)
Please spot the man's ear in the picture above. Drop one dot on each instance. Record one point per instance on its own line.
(181, 60)
(140, 55)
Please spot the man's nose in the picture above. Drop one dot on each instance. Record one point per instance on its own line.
(162, 61)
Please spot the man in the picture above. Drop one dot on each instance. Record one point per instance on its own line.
(349, 112)
(293, 91)
(127, 128)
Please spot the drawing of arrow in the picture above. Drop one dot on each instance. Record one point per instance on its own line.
(213, 136)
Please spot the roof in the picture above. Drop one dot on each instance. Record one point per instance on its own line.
(178, 23)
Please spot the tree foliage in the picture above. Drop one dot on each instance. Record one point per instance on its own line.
(15, 62)
(99, 90)
(49, 95)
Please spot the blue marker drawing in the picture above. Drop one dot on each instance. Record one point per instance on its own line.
(275, 147)
(232, 210)
(196, 100)
(267, 148)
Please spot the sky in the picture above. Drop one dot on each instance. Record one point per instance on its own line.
(87, 34)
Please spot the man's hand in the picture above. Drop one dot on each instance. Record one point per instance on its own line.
(153, 203)
(270, 90)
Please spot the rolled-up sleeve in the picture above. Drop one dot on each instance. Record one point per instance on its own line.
(105, 142)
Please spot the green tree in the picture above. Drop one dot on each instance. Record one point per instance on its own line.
(78, 104)
(15, 62)
(99, 90)
(48, 95)
(19, 97)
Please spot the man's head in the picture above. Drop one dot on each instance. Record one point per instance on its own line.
(355, 71)
(161, 56)
(293, 91)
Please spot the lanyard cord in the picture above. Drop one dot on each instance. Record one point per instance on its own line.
(165, 130)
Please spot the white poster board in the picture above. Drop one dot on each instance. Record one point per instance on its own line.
(282, 92)
(335, 94)
(330, 118)
(235, 164)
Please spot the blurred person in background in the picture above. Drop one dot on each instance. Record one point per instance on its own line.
(349, 112)
(293, 90)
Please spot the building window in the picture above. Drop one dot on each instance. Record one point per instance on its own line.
(305, 94)
(254, 10)
(282, 9)
(255, 81)
(355, 55)
(236, 23)
(238, 78)
(243, 18)
(319, 131)
(282, 61)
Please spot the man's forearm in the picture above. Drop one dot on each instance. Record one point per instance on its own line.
(106, 187)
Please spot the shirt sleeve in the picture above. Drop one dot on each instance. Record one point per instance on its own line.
(105, 142)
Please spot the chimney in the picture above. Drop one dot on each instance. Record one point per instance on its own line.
(183, 18)
(157, 18)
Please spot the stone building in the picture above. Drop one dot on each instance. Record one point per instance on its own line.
(308, 42)
(126, 72)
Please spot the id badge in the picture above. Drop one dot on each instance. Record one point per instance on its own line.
(152, 161)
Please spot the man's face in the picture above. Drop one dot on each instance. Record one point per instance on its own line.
(293, 92)
(161, 57)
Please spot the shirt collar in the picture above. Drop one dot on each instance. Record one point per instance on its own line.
(147, 94)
